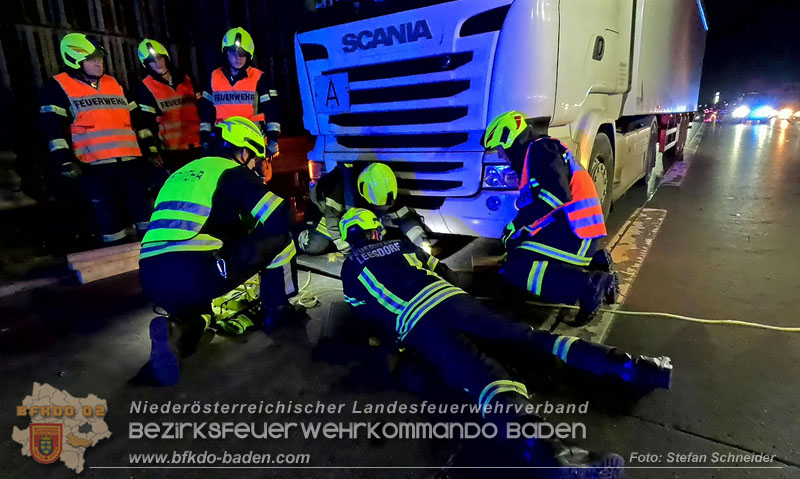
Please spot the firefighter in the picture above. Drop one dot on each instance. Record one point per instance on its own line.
(86, 119)
(165, 117)
(406, 294)
(214, 226)
(377, 191)
(240, 89)
(552, 243)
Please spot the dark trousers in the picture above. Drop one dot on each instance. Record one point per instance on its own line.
(553, 280)
(451, 336)
(119, 196)
(184, 283)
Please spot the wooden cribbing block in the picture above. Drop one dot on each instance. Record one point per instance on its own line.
(104, 262)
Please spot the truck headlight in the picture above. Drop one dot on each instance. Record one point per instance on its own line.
(500, 177)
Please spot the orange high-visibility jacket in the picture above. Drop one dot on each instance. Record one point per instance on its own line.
(584, 212)
(239, 99)
(179, 123)
(101, 128)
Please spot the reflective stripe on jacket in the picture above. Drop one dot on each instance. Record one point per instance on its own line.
(239, 99)
(182, 209)
(101, 128)
(584, 212)
(179, 123)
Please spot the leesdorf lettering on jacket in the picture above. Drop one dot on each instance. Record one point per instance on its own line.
(100, 100)
(376, 251)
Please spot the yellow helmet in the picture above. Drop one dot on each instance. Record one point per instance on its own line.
(77, 47)
(148, 49)
(376, 183)
(504, 129)
(241, 132)
(238, 38)
(360, 218)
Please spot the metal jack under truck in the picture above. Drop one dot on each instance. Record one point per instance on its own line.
(413, 83)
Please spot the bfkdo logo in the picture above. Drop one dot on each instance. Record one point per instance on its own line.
(61, 426)
(46, 442)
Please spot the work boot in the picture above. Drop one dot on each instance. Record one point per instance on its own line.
(164, 352)
(602, 261)
(597, 287)
(604, 361)
(642, 371)
(189, 331)
(563, 462)
(612, 294)
(275, 318)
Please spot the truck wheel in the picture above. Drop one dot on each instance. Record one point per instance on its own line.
(601, 169)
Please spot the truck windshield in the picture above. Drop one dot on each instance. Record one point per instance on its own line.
(325, 13)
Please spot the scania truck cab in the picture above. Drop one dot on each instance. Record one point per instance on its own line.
(413, 83)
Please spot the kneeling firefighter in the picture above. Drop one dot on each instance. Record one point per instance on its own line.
(377, 191)
(552, 243)
(405, 294)
(214, 226)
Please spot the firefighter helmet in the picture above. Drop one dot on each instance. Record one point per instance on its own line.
(241, 132)
(77, 47)
(377, 184)
(239, 39)
(358, 220)
(150, 49)
(504, 129)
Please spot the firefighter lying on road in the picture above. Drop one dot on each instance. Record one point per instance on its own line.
(402, 291)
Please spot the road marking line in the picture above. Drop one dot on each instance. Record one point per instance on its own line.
(629, 249)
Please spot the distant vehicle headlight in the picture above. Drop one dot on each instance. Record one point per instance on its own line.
(785, 114)
(741, 112)
(765, 111)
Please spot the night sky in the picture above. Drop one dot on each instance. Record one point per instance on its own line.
(752, 45)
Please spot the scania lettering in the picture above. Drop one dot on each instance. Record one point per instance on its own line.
(417, 81)
(405, 33)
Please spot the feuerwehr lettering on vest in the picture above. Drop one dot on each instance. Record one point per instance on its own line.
(244, 97)
(99, 100)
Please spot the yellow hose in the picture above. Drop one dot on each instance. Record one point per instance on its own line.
(724, 322)
(307, 298)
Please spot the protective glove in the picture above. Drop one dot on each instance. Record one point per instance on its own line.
(70, 170)
(272, 148)
(508, 232)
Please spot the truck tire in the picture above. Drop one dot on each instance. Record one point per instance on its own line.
(601, 169)
(650, 157)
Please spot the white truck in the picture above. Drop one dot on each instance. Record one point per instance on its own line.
(413, 83)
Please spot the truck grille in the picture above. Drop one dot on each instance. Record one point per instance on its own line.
(426, 91)
(417, 66)
(437, 140)
(400, 117)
